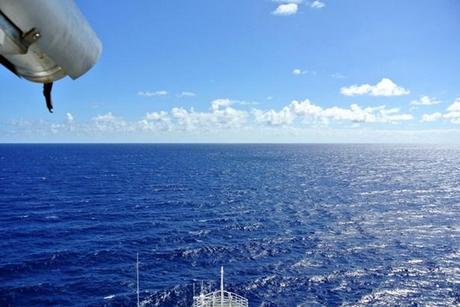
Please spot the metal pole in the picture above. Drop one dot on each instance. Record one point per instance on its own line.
(221, 286)
(137, 275)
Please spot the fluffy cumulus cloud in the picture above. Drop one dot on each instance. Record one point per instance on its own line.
(229, 117)
(286, 9)
(220, 103)
(157, 116)
(155, 121)
(427, 118)
(386, 87)
(425, 101)
(274, 118)
(220, 116)
(451, 114)
(309, 112)
(109, 123)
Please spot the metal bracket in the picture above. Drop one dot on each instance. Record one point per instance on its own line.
(14, 40)
(30, 37)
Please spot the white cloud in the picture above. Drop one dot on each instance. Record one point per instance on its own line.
(455, 106)
(226, 117)
(218, 103)
(286, 9)
(186, 94)
(317, 4)
(155, 121)
(69, 117)
(152, 94)
(273, 118)
(221, 115)
(308, 111)
(304, 108)
(425, 101)
(431, 117)
(108, 117)
(39, 130)
(453, 112)
(108, 123)
(385, 87)
(245, 102)
(157, 116)
(298, 72)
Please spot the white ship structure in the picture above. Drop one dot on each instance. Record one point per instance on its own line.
(220, 298)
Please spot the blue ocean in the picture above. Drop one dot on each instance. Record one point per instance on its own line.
(293, 225)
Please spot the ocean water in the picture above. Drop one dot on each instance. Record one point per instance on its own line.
(293, 225)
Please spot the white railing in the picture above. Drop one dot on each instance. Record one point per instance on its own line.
(220, 299)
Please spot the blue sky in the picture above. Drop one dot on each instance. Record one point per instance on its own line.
(254, 71)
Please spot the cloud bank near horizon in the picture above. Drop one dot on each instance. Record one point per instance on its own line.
(233, 120)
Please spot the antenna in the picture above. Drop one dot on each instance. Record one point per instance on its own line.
(221, 286)
(137, 277)
(201, 293)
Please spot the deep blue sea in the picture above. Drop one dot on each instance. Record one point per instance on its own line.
(293, 225)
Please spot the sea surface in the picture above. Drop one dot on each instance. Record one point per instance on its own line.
(293, 225)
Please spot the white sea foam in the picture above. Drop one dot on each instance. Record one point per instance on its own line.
(385, 297)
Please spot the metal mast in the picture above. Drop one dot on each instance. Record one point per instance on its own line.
(137, 278)
(221, 286)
